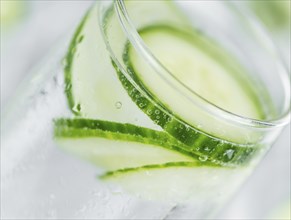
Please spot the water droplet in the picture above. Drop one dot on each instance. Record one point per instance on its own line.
(203, 158)
(118, 105)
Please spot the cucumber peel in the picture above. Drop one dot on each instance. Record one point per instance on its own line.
(114, 145)
(199, 142)
(174, 181)
(112, 174)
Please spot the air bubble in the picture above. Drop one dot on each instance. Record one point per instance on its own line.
(77, 108)
(203, 158)
(169, 119)
(157, 121)
(118, 105)
(157, 111)
(141, 105)
(149, 112)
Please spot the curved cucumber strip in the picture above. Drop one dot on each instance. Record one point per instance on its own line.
(91, 86)
(115, 146)
(175, 181)
(174, 47)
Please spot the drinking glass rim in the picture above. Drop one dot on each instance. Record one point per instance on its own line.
(140, 46)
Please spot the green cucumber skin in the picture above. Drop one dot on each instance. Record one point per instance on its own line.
(112, 174)
(82, 128)
(194, 140)
(69, 59)
(211, 148)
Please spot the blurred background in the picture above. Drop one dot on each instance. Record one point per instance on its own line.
(29, 29)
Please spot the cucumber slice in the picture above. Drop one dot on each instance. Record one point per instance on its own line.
(115, 146)
(177, 49)
(91, 86)
(177, 181)
(198, 65)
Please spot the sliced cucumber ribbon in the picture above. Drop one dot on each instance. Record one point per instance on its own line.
(114, 145)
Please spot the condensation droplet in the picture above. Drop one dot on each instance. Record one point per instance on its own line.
(118, 105)
(229, 153)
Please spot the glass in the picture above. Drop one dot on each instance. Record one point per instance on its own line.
(39, 180)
